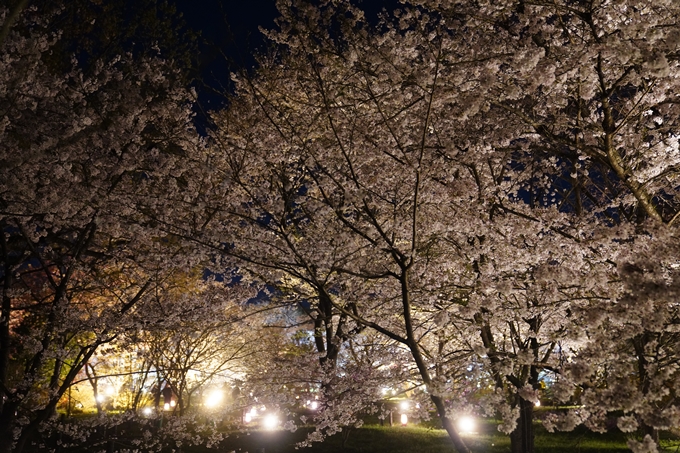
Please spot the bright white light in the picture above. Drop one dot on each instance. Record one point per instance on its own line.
(314, 406)
(110, 391)
(404, 419)
(271, 421)
(101, 398)
(248, 418)
(404, 405)
(537, 403)
(214, 398)
(253, 412)
(147, 411)
(384, 391)
(466, 424)
(172, 403)
(166, 406)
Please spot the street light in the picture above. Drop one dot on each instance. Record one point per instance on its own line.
(271, 422)
(214, 398)
(466, 424)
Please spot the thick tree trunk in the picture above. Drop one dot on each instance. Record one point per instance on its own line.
(7, 420)
(522, 438)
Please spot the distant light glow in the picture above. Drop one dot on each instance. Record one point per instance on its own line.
(466, 424)
(248, 418)
(147, 411)
(404, 419)
(214, 398)
(172, 403)
(166, 406)
(314, 406)
(404, 406)
(271, 421)
(101, 398)
(537, 403)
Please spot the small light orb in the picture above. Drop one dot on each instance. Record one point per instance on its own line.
(173, 403)
(101, 398)
(166, 406)
(314, 405)
(147, 411)
(248, 418)
(404, 406)
(270, 422)
(404, 419)
(537, 403)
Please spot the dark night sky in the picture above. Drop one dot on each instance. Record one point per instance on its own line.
(231, 27)
(228, 27)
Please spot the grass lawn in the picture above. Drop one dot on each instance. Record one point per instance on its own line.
(414, 439)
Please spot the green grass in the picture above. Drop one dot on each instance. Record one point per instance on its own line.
(397, 439)
(410, 439)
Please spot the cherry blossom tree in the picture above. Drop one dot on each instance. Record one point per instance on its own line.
(355, 145)
(76, 262)
(587, 95)
(480, 165)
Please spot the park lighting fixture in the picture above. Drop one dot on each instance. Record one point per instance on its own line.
(314, 406)
(248, 418)
(466, 424)
(172, 403)
(270, 422)
(404, 419)
(166, 406)
(214, 398)
(537, 403)
(147, 411)
(101, 398)
(404, 406)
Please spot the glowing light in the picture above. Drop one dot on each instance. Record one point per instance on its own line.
(271, 421)
(466, 424)
(147, 411)
(248, 418)
(214, 398)
(404, 406)
(537, 403)
(314, 406)
(101, 398)
(166, 406)
(404, 419)
(172, 403)
(253, 412)
(384, 391)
